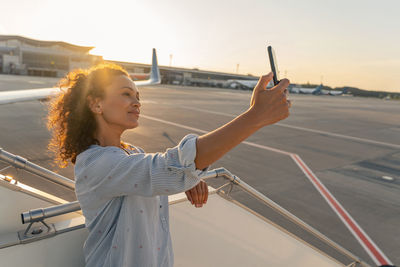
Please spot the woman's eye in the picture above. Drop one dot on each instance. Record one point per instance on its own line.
(127, 94)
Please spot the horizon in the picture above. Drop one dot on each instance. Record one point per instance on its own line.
(337, 43)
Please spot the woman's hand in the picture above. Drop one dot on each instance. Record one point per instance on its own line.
(270, 105)
(198, 195)
(266, 107)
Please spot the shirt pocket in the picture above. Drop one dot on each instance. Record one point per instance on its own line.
(164, 223)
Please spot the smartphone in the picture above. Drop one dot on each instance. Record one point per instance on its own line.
(274, 66)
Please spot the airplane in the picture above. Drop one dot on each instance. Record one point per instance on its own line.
(244, 84)
(316, 91)
(333, 92)
(8, 97)
(308, 91)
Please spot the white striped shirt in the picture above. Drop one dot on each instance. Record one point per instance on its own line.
(124, 199)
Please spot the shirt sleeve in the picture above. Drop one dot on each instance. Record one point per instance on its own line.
(109, 172)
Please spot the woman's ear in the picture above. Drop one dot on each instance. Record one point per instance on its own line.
(95, 105)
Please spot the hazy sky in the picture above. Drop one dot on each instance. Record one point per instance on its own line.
(354, 43)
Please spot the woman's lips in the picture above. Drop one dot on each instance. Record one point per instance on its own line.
(134, 113)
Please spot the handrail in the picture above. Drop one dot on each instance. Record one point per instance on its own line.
(22, 163)
(247, 188)
(37, 215)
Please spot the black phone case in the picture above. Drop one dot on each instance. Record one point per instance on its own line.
(272, 62)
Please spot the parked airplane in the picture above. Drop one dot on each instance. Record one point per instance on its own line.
(316, 91)
(244, 84)
(308, 91)
(8, 97)
(332, 92)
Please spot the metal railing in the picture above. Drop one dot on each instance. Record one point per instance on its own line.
(38, 215)
(22, 163)
(222, 172)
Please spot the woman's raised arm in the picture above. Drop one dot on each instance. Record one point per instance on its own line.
(267, 106)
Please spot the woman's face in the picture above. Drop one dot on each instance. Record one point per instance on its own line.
(121, 107)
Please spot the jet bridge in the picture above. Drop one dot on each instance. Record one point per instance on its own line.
(227, 233)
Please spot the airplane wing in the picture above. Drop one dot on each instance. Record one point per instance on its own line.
(8, 97)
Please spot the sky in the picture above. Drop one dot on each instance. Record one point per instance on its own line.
(339, 43)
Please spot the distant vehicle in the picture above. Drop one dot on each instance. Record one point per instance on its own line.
(139, 76)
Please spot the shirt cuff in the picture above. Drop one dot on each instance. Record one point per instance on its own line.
(187, 154)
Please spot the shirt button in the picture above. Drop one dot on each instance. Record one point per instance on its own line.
(160, 206)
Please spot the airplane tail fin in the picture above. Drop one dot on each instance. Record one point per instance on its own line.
(155, 76)
(317, 90)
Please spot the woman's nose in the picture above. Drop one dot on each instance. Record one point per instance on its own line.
(136, 103)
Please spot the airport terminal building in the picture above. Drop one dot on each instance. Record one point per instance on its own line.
(25, 56)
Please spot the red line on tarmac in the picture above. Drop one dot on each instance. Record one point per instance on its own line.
(373, 251)
(350, 223)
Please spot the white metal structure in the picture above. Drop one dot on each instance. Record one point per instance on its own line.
(229, 233)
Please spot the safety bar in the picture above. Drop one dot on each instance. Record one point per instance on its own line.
(247, 188)
(22, 163)
(38, 215)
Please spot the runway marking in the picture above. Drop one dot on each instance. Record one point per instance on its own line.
(202, 131)
(388, 178)
(366, 242)
(340, 135)
(148, 102)
(36, 82)
(369, 246)
(303, 129)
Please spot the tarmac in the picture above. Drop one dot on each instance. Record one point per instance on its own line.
(351, 144)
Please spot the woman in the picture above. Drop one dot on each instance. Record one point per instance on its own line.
(123, 191)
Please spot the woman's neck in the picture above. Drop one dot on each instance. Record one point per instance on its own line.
(108, 137)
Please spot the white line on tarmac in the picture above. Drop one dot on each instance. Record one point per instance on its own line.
(36, 82)
(202, 131)
(364, 140)
(340, 136)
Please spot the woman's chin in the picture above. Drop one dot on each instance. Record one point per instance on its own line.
(133, 125)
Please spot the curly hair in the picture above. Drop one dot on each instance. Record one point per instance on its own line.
(70, 119)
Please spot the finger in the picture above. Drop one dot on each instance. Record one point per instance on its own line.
(263, 82)
(203, 190)
(289, 102)
(195, 195)
(206, 193)
(189, 196)
(200, 195)
(282, 85)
